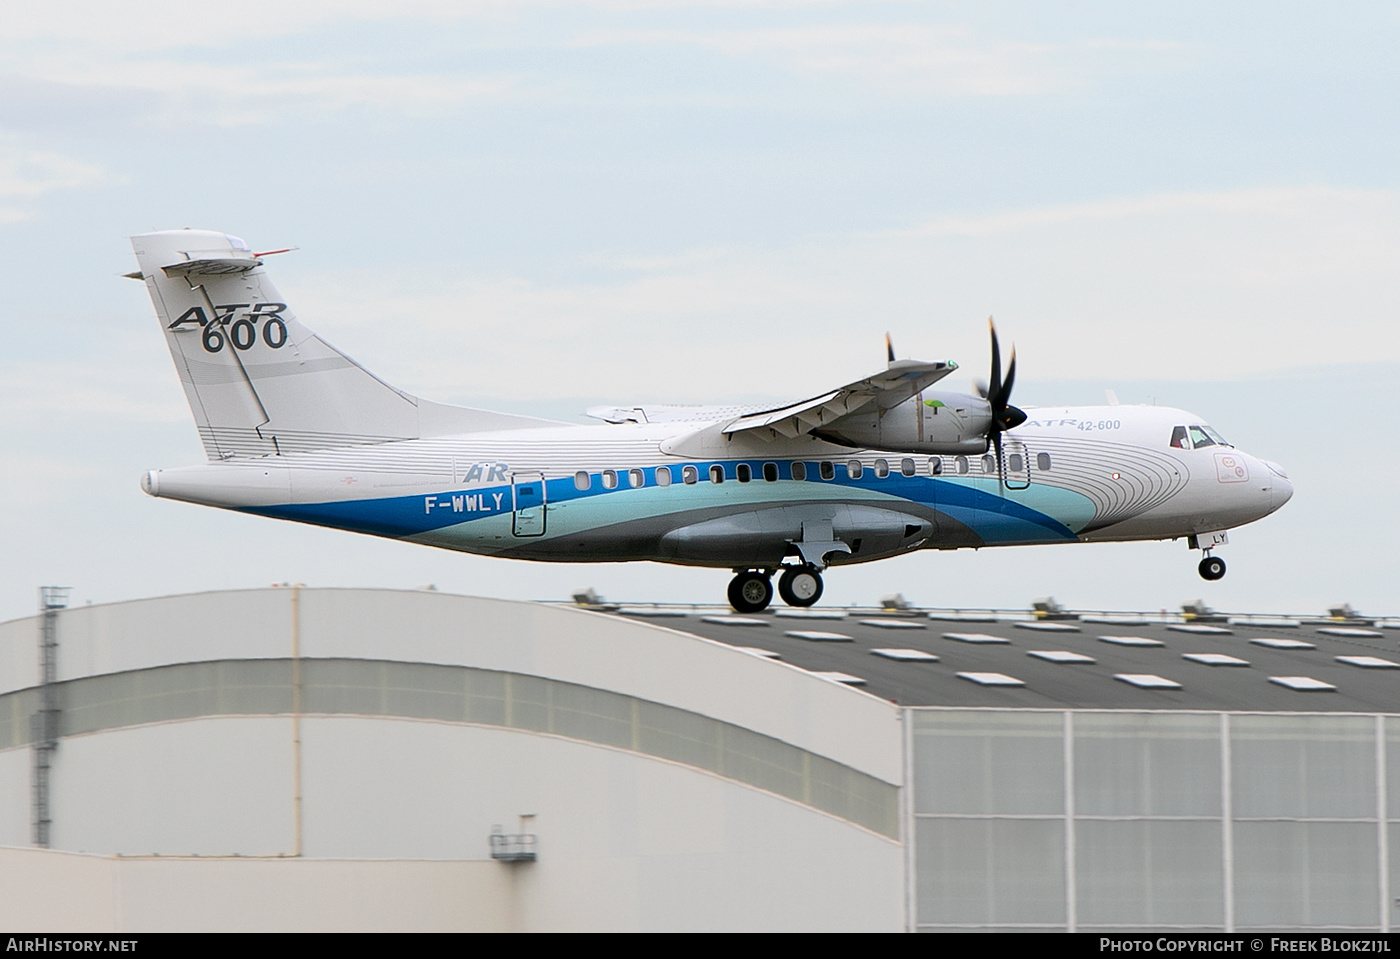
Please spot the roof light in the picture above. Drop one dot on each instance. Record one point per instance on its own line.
(1282, 643)
(1147, 681)
(1049, 627)
(1060, 656)
(839, 677)
(991, 679)
(976, 638)
(1215, 659)
(1368, 662)
(906, 655)
(1131, 641)
(1350, 631)
(1303, 684)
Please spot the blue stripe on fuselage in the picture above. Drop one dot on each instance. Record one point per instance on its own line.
(994, 517)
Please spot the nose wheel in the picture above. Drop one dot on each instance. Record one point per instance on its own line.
(750, 591)
(800, 586)
(1211, 568)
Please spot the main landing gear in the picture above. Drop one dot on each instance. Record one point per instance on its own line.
(751, 590)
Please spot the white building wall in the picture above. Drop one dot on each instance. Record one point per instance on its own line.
(626, 841)
(635, 658)
(16, 817)
(210, 787)
(64, 892)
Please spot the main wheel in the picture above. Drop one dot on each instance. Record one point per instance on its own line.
(800, 586)
(750, 592)
(1211, 568)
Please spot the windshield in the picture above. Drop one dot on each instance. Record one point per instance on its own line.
(1195, 437)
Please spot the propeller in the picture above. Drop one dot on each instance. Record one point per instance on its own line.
(998, 396)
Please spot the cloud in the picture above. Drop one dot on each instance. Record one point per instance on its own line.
(1168, 286)
(26, 173)
(902, 57)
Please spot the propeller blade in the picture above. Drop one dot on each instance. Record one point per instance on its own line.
(1005, 396)
(889, 348)
(994, 388)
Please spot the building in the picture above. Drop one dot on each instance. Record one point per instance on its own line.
(297, 758)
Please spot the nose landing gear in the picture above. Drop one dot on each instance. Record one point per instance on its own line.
(1211, 568)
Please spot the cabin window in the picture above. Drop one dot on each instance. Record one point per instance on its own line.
(583, 480)
(961, 463)
(989, 463)
(882, 469)
(1014, 462)
(716, 474)
(663, 476)
(853, 469)
(799, 470)
(828, 470)
(636, 479)
(743, 472)
(935, 465)
(690, 475)
(770, 472)
(609, 479)
(1042, 462)
(906, 466)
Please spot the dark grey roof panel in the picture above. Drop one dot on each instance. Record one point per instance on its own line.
(1089, 685)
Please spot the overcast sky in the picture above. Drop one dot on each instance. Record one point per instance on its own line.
(540, 206)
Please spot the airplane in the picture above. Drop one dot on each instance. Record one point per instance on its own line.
(879, 467)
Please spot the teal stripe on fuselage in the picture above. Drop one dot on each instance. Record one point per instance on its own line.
(1039, 513)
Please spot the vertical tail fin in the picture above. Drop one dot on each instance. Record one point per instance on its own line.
(258, 381)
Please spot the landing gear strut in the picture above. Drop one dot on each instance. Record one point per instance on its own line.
(1211, 568)
(750, 591)
(800, 586)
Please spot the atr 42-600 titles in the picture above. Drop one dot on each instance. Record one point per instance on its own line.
(297, 430)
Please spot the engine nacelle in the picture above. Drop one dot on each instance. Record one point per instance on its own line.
(942, 423)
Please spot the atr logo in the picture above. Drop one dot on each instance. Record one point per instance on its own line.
(241, 330)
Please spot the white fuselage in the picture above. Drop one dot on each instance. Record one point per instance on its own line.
(1083, 473)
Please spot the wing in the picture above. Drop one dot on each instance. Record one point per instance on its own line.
(668, 413)
(888, 388)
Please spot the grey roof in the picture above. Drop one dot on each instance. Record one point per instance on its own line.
(1074, 685)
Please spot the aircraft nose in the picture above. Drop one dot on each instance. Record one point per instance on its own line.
(1281, 490)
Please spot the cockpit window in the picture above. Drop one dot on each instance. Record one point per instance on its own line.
(1213, 435)
(1195, 437)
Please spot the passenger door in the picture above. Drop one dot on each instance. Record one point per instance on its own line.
(528, 499)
